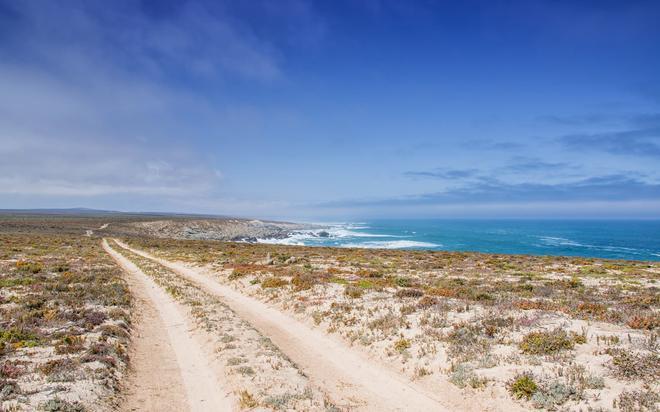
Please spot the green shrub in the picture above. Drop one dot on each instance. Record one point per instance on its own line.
(523, 386)
(544, 343)
(29, 267)
(19, 337)
(403, 282)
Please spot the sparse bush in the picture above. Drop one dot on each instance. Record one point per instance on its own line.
(246, 370)
(579, 338)
(8, 389)
(70, 344)
(441, 291)
(56, 368)
(648, 322)
(11, 370)
(426, 302)
(236, 274)
(403, 282)
(303, 281)
(29, 267)
(409, 293)
(273, 282)
(593, 310)
(463, 375)
(401, 345)
(630, 365)
(61, 405)
(546, 343)
(554, 394)
(645, 399)
(466, 343)
(353, 292)
(246, 400)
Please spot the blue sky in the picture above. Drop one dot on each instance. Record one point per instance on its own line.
(332, 109)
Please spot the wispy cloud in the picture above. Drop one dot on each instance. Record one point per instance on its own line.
(486, 144)
(450, 174)
(521, 164)
(518, 165)
(101, 100)
(637, 142)
(616, 187)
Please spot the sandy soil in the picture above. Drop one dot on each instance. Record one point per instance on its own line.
(351, 379)
(170, 370)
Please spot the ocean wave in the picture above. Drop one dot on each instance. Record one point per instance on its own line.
(560, 241)
(391, 244)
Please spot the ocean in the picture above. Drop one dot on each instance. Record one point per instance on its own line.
(614, 239)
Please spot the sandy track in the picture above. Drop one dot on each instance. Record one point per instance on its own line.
(351, 379)
(170, 370)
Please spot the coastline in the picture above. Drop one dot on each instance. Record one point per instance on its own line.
(603, 240)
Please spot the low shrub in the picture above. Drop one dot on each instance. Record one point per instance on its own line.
(353, 292)
(236, 274)
(29, 267)
(19, 337)
(545, 343)
(11, 370)
(465, 342)
(409, 293)
(463, 375)
(401, 345)
(273, 282)
(70, 344)
(648, 322)
(403, 282)
(427, 301)
(246, 400)
(645, 399)
(630, 365)
(303, 281)
(523, 386)
(550, 396)
(444, 292)
(61, 405)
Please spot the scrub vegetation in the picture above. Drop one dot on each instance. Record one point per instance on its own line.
(546, 332)
(64, 323)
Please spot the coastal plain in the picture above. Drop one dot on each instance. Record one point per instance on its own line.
(95, 307)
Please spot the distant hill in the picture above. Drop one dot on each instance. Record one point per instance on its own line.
(87, 212)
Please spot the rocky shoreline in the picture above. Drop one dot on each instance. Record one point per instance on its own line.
(234, 230)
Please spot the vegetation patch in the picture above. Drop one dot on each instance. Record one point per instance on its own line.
(273, 282)
(523, 386)
(546, 343)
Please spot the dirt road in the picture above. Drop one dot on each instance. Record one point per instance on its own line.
(351, 379)
(170, 371)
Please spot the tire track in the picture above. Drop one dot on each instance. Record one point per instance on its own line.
(171, 372)
(350, 379)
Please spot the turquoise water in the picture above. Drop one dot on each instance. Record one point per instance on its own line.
(633, 239)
